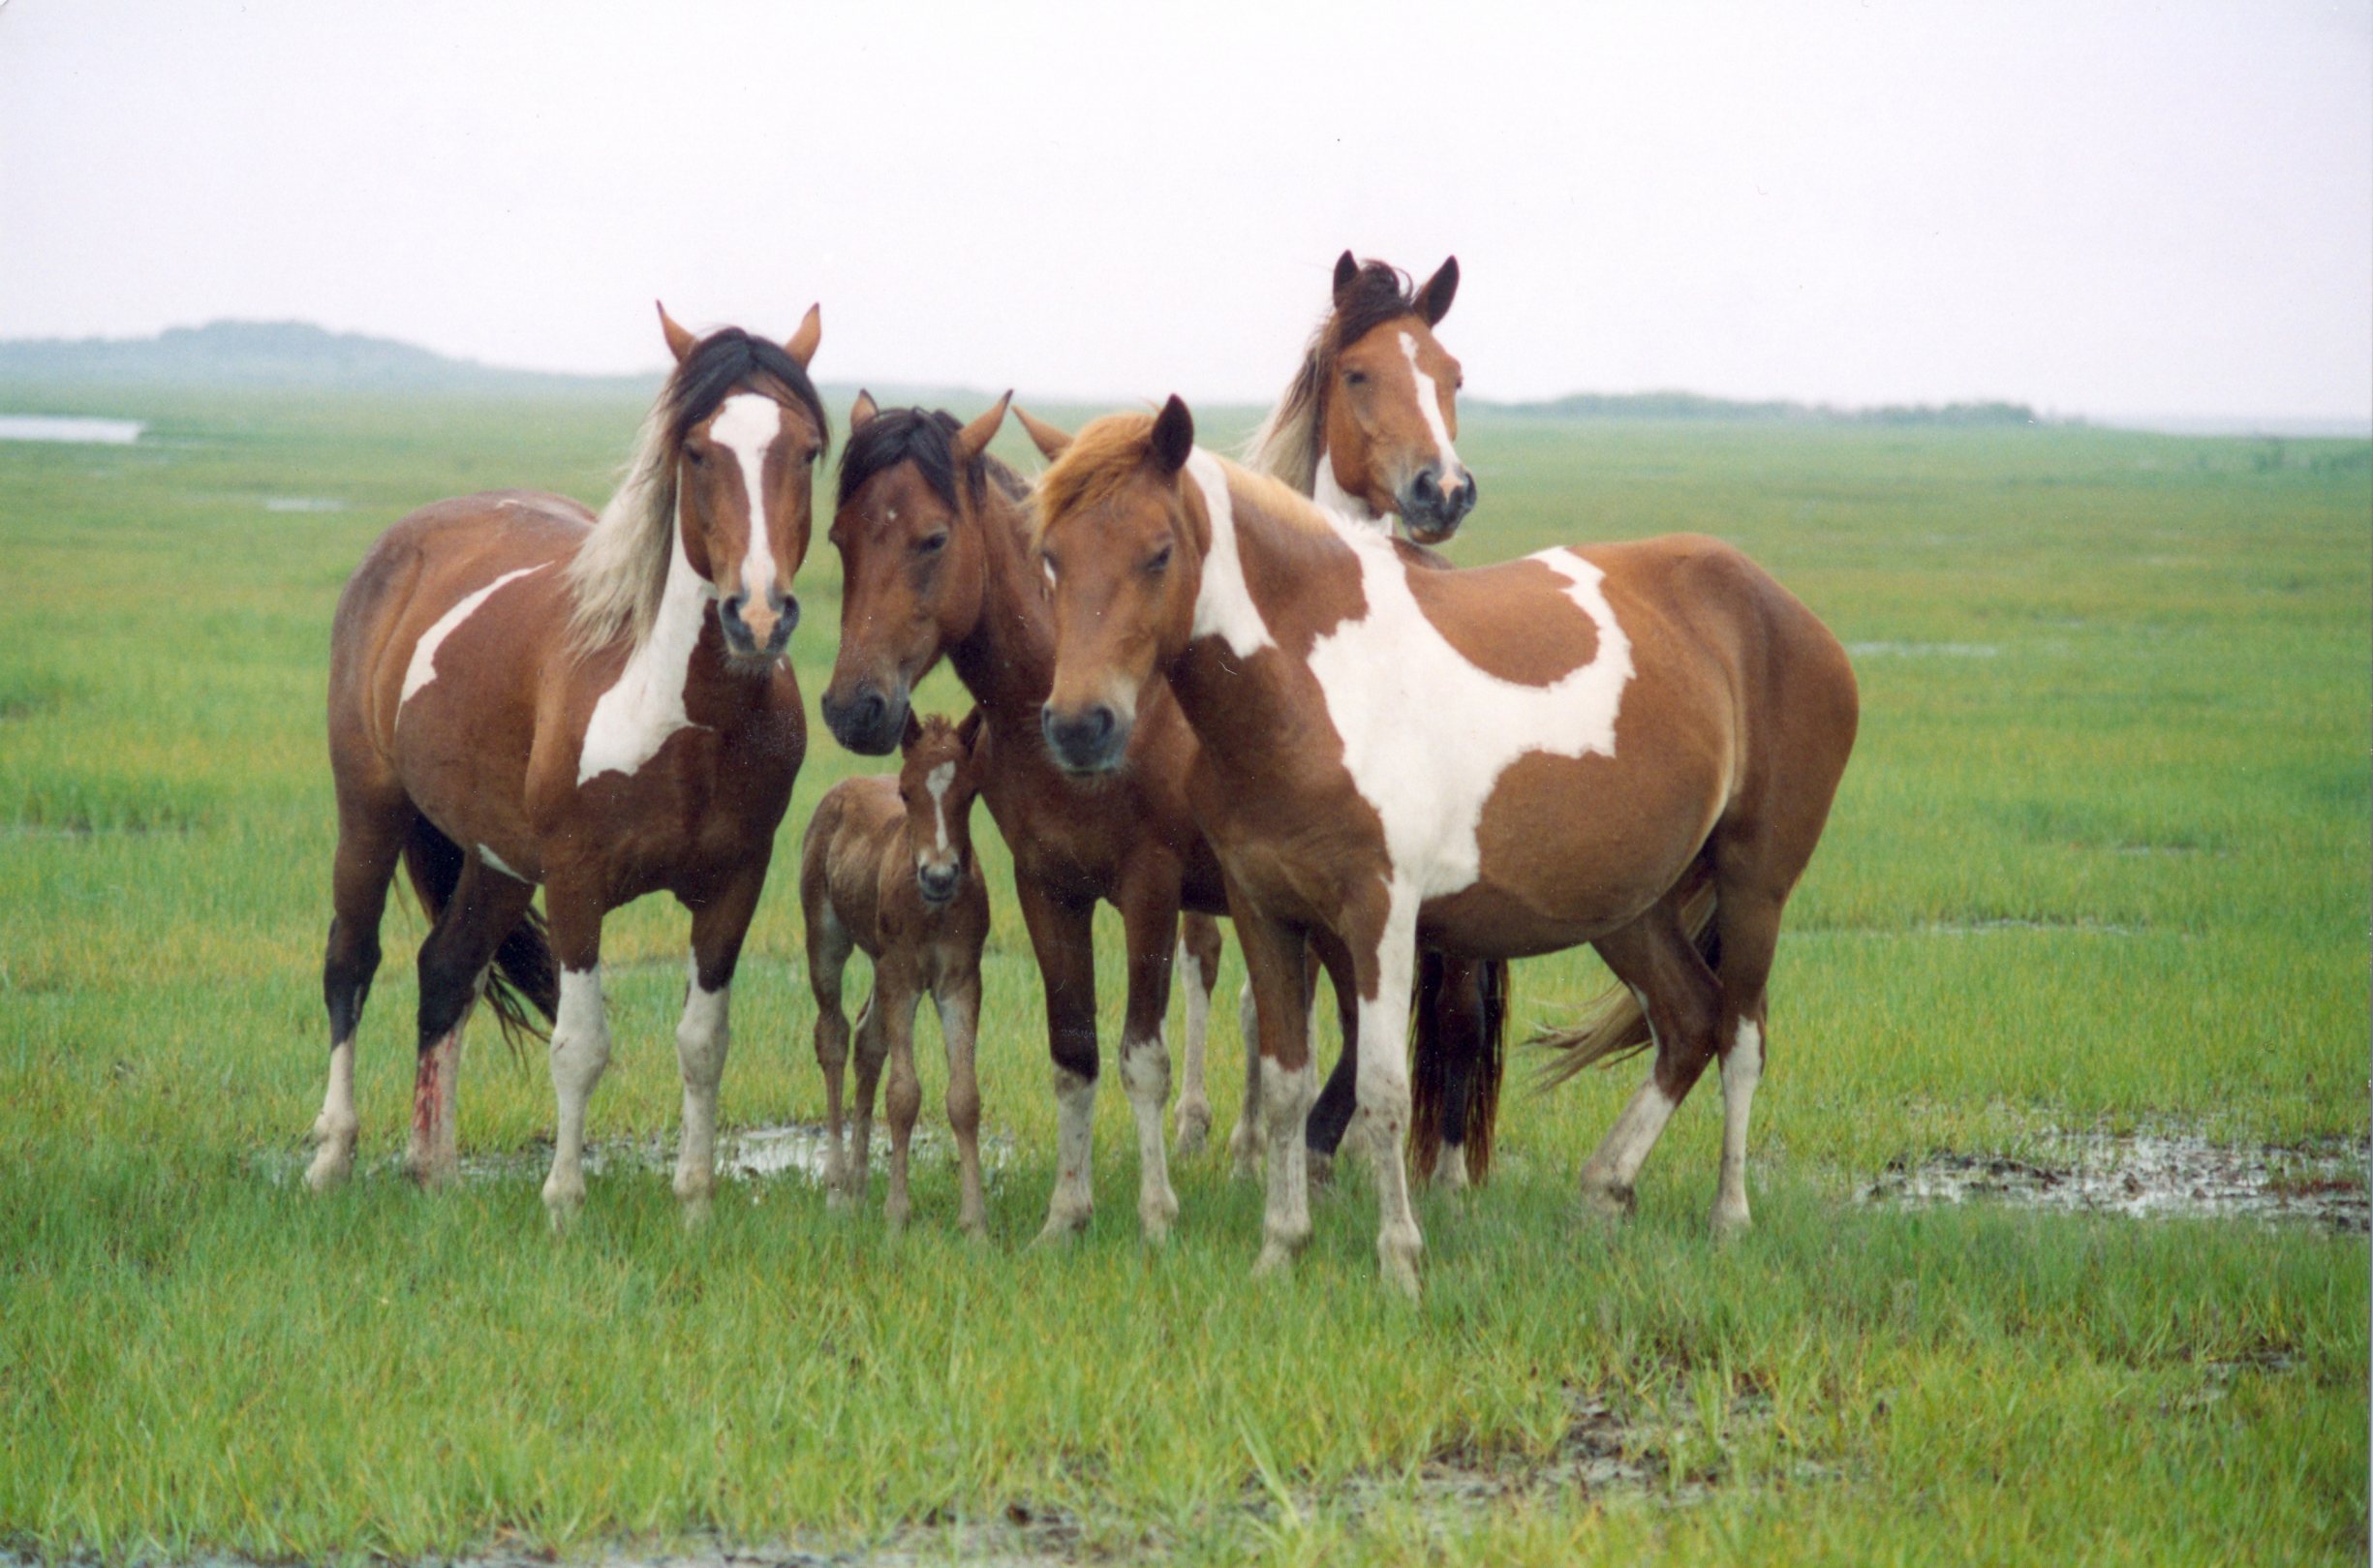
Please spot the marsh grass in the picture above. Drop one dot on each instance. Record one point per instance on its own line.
(2101, 859)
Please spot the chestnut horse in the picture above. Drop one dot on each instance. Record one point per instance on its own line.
(521, 694)
(886, 869)
(1502, 761)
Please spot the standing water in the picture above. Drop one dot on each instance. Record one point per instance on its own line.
(70, 428)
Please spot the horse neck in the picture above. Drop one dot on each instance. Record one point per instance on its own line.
(676, 658)
(1007, 659)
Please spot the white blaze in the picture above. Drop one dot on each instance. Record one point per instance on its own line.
(937, 782)
(747, 425)
(1430, 404)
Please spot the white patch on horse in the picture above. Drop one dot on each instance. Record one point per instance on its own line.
(1427, 733)
(633, 719)
(503, 866)
(937, 782)
(702, 1038)
(580, 1052)
(1329, 493)
(1224, 604)
(747, 425)
(1742, 1071)
(1430, 404)
(423, 667)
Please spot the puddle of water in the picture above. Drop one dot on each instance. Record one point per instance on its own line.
(1922, 649)
(754, 1157)
(303, 503)
(70, 429)
(2147, 1175)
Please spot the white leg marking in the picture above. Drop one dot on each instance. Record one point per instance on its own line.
(1145, 1076)
(1194, 1110)
(423, 667)
(702, 1038)
(747, 425)
(1073, 1200)
(580, 1051)
(1742, 1071)
(1286, 1223)
(1245, 1142)
(1450, 1167)
(334, 1130)
(1383, 1095)
(633, 719)
(1606, 1177)
(433, 1154)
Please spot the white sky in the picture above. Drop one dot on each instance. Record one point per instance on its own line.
(2110, 209)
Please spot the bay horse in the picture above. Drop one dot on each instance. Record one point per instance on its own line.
(1502, 761)
(522, 694)
(886, 868)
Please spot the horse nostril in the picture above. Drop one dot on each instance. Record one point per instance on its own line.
(1426, 487)
(786, 605)
(866, 714)
(1097, 723)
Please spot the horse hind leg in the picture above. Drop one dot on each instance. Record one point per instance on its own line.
(370, 841)
(1198, 965)
(481, 910)
(1681, 995)
(1748, 921)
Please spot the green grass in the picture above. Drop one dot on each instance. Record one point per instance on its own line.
(2115, 695)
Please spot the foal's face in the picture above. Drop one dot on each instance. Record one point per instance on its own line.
(1122, 575)
(1392, 418)
(938, 778)
(746, 483)
(912, 570)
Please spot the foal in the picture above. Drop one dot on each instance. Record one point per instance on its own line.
(887, 867)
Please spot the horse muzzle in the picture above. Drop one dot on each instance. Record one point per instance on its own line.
(1093, 739)
(869, 722)
(1435, 503)
(758, 631)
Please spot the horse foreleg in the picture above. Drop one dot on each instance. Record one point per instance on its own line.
(704, 1034)
(1245, 1142)
(828, 950)
(1148, 916)
(1287, 1082)
(1063, 935)
(959, 1009)
(1382, 968)
(580, 1044)
(872, 1049)
(895, 1003)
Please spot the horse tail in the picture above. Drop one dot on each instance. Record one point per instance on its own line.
(1436, 1044)
(1616, 1026)
(524, 980)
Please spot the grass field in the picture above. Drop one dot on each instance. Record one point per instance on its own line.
(2100, 861)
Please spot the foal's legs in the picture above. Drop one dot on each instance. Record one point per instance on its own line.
(581, 1039)
(370, 841)
(957, 1000)
(1198, 963)
(828, 950)
(872, 1049)
(485, 906)
(1654, 956)
(704, 1034)
(895, 998)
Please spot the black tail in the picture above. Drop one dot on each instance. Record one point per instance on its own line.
(524, 981)
(1617, 1024)
(1458, 1049)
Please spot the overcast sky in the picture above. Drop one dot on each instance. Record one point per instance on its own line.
(2103, 209)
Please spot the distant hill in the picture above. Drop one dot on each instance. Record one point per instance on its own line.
(1697, 406)
(277, 354)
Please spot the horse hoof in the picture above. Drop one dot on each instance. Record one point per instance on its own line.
(1275, 1260)
(562, 1201)
(330, 1168)
(1061, 1229)
(1608, 1203)
(1194, 1125)
(1729, 1223)
(1400, 1275)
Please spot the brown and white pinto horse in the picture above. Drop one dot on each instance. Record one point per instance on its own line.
(1508, 760)
(521, 694)
(886, 869)
(1366, 429)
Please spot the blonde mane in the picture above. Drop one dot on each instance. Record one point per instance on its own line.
(1107, 455)
(620, 571)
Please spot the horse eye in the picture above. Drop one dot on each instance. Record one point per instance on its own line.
(931, 545)
(699, 458)
(1355, 378)
(1159, 560)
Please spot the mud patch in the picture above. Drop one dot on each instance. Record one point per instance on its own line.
(2148, 1175)
(1922, 649)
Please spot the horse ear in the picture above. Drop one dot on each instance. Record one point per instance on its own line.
(1433, 300)
(974, 439)
(802, 346)
(1051, 441)
(1346, 269)
(913, 731)
(1174, 436)
(680, 343)
(861, 413)
(967, 733)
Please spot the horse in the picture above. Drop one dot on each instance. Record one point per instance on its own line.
(1367, 428)
(887, 867)
(1503, 761)
(522, 694)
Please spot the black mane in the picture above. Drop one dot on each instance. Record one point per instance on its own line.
(726, 362)
(927, 439)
